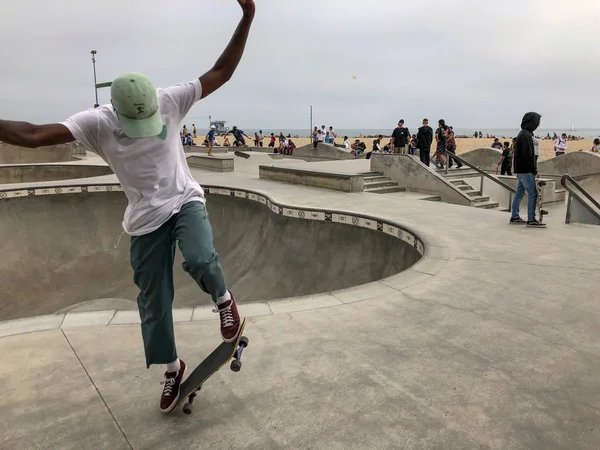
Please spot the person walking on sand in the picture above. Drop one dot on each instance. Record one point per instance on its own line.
(137, 134)
(210, 137)
(560, 146)
(505, 163)
(526, 169)
(194, 130)
(400, 137)
(424, 140)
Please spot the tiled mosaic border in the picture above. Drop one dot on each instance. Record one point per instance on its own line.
(372, 223)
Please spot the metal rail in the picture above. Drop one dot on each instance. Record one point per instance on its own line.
(483, 175)
(577, 193)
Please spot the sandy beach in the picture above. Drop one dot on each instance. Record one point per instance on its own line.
(463, 144)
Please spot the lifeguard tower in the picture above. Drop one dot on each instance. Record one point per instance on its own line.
(220, 128)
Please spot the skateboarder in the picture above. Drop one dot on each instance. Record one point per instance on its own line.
(138, 136)
(525, 167)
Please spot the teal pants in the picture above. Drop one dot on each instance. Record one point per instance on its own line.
(152, 258)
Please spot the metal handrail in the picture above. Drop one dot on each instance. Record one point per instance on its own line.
(483, 174)
(580, 190)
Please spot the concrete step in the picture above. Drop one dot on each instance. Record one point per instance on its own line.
(373, 178)
(486, 205)
(465, 187)
(471, 192)
(459, 182)
(385, 190)
(371, 174)
(479, 198)
(377, 184)
(458, 173)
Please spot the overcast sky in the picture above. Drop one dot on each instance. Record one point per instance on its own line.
(477, 63)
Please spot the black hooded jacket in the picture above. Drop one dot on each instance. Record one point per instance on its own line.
(524, 158)
(424, 137)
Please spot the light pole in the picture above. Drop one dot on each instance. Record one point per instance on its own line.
(93, 52)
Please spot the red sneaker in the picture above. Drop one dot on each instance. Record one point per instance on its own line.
(170, 394)
(230, 319)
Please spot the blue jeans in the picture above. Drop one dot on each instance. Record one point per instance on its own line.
(152, 258)
(526, 183)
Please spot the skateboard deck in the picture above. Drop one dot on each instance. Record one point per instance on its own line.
(220, 356)
(541, 212)
(241, 154)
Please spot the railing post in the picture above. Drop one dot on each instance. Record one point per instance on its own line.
(509, 200)
(481, 186)
(568, 216)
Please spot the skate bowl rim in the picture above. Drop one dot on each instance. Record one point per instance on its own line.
(434, 257)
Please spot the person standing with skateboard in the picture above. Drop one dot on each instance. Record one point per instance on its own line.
(525, 166)
(138, 136)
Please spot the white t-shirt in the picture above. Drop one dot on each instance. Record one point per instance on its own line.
(153, 172)
(536, 146)
(560, 145)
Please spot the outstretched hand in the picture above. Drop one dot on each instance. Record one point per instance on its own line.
(248, 7)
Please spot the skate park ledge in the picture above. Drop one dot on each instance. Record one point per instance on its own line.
(218, 163)
(435, 256)
(339, 181)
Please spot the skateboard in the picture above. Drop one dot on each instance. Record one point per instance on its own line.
(220, 356)
(241, 154)
(540, 201)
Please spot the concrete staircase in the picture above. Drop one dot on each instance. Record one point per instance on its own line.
(458, 177)
(377, 183)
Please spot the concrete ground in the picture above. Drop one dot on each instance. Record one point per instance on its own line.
(491, 341)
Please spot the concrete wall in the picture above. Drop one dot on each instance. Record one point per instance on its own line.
(576, 164)
(329, 180)
(42, 172)
(217, 163)
(483, 158)
(12, 154)
(408, 172)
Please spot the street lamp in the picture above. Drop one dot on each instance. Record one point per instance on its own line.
(93, 52)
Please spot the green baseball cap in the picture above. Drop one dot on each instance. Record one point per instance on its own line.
(134, 98)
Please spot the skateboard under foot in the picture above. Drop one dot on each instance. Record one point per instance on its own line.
(225, 352)
(540, 201)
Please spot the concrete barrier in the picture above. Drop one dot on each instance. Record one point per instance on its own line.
(12, 154)
(483, 158)
(216, 163)
(26, 173)
(201, 149)
(346, 182)
(576, 164)
(410, 173)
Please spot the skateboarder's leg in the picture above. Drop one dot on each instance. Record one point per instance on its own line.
(201, 261)
(529, 183)
(518, 196)
(152, 258)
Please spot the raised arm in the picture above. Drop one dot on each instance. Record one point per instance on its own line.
(225, 66)
(29, 135)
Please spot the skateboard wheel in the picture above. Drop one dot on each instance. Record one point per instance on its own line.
(187, 409)
(244, 341)
(236, 365)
